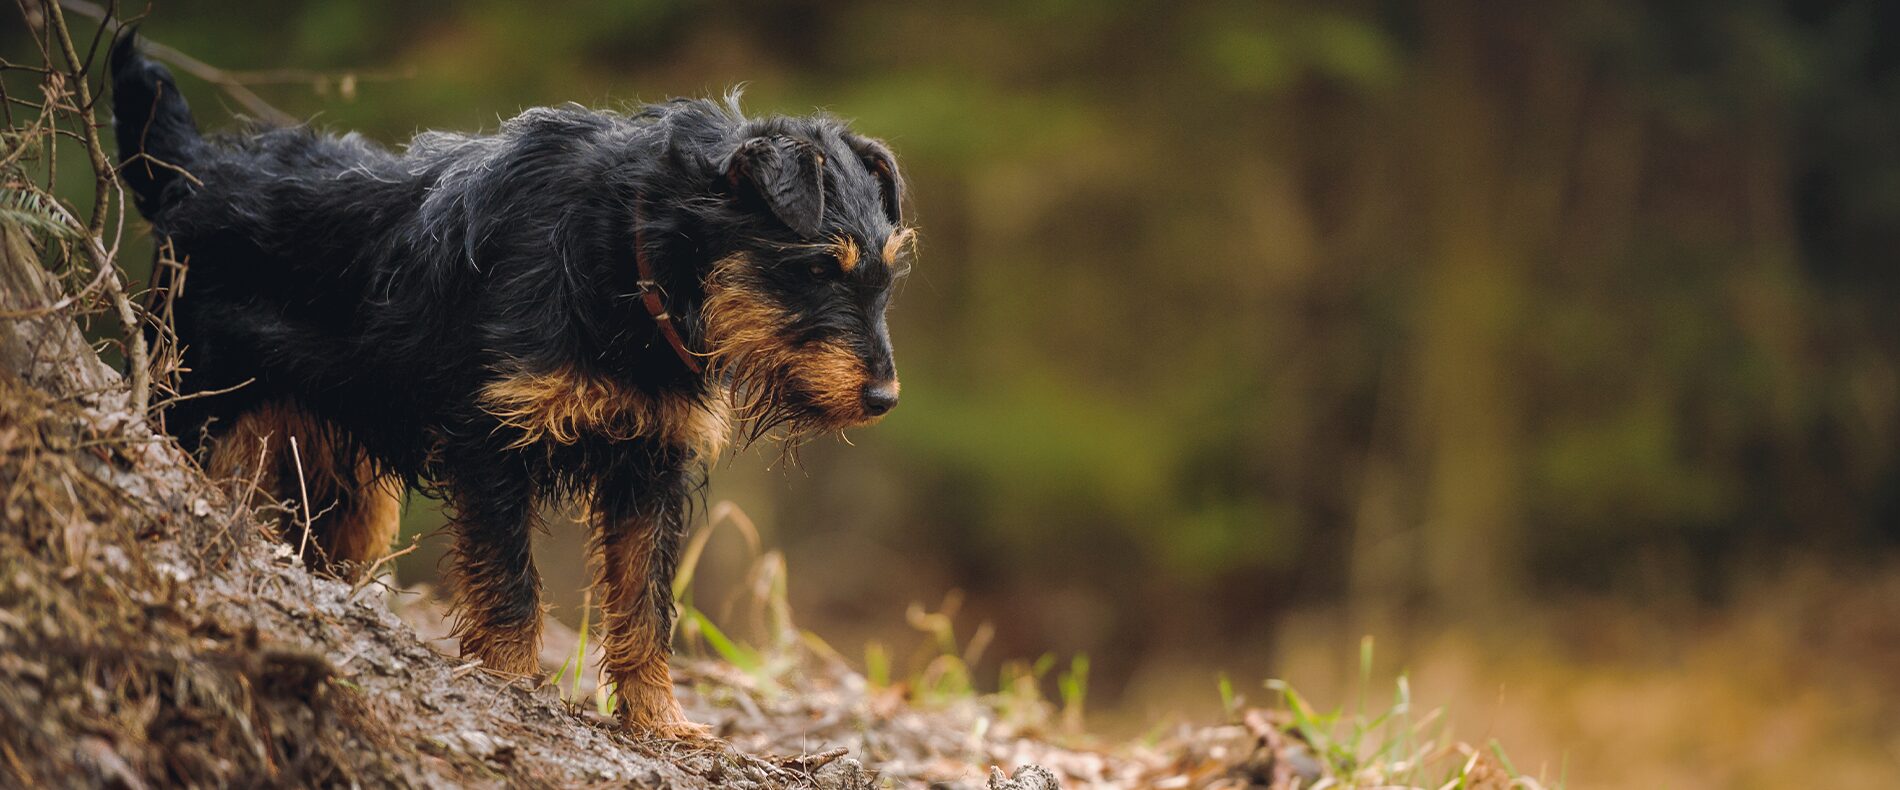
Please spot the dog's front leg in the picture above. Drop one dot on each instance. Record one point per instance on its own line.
(638, 516)
(497, 590)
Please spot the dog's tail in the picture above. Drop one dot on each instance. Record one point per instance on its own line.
(158, 140)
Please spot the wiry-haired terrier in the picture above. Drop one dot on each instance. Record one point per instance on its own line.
(581, 307)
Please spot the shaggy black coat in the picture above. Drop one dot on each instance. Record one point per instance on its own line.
(464, 317)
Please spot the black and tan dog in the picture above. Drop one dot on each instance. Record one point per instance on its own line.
(580, 307)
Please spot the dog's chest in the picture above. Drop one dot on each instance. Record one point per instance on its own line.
(563, 407)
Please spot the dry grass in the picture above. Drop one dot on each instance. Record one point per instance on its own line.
(1790, 683)
(106, 672)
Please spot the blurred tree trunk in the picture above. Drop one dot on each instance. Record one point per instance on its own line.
(1501, 103)
(1470, 404)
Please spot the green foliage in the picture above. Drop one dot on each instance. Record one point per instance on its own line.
(1074, 684)
(580, 647)
(28, 210)
(877, 665)
(746, 659)
(1272, 50)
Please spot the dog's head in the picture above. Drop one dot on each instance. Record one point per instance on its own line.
(794, 310)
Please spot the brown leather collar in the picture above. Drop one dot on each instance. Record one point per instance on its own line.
(650, 293)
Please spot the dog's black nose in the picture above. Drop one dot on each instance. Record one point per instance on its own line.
(880, 397)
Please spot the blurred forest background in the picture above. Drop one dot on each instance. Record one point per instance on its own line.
(1553, 345)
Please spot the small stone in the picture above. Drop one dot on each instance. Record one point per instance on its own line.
(1305, 766)
(475, 743)
(1028, 777)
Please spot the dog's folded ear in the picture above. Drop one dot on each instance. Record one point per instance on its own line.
(787, 175)
(882, 164)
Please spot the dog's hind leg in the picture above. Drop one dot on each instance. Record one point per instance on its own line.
(634, 550)
(367, 513)
(497, 591)
(350, 512)
(245, 449)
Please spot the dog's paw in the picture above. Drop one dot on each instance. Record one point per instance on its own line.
(683, 730)
(665, 720)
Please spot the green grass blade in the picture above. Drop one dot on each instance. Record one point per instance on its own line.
(735, 654)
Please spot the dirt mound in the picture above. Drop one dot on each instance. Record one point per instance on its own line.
(153, 633)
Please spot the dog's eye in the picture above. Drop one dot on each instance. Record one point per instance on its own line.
(826, 267)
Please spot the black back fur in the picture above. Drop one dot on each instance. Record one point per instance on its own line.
(382, 290)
